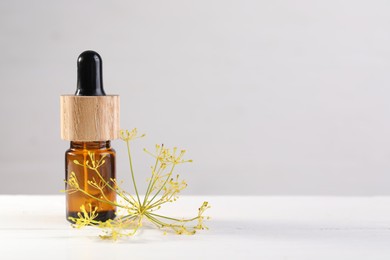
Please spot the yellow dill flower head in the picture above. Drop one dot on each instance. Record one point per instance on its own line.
(168, 156)
(85, 217)
(164, 186)
(72, 182)
(126, 135)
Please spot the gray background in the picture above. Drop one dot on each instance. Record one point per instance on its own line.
(269, 97)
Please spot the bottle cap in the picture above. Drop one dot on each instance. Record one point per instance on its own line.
(90, 114)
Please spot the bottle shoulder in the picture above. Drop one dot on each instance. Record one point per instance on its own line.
(105, 151)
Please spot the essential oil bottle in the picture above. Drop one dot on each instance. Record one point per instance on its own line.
(90, 120)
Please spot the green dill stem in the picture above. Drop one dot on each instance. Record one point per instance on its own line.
(174, 219)
(104, 201)
(105, 182)
(160, 201)
(112, 188)
(101, 191)
(169, 175)
(128, 217)
(126, 196)
(104, 195)
(152, 185)
(139, 224)
(123, 194)
(135, 229)
(132, 171)
(156, 221)
(162, 223)
(150, 182)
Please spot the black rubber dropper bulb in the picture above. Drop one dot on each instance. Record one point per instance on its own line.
(89, 74)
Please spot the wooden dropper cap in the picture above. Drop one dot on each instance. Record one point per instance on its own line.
(90, 114)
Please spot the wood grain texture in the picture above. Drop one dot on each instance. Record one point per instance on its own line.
(90, 118)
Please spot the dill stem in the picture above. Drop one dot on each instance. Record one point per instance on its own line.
(127, 197)
(151, 218)
(160, 201)
(112, 188)
(101, 191)
(104, 201)
(139, 224)
(132, 171)
(174, 219)
(128, 217)
(152, 186)
(150, 182)
(163, 224)
(169, 176)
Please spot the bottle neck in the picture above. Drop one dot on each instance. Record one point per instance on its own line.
(90, 145)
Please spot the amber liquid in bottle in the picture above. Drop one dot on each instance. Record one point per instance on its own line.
(79, 151)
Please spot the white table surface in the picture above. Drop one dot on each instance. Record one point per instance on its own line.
(34, 227)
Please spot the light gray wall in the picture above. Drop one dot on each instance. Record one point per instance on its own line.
(269, 97)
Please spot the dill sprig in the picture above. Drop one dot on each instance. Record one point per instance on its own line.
(163, 187)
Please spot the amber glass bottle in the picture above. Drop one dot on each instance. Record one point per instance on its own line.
(89, 120)
(79, 151)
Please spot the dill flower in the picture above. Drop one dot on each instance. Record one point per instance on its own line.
(163, 187)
